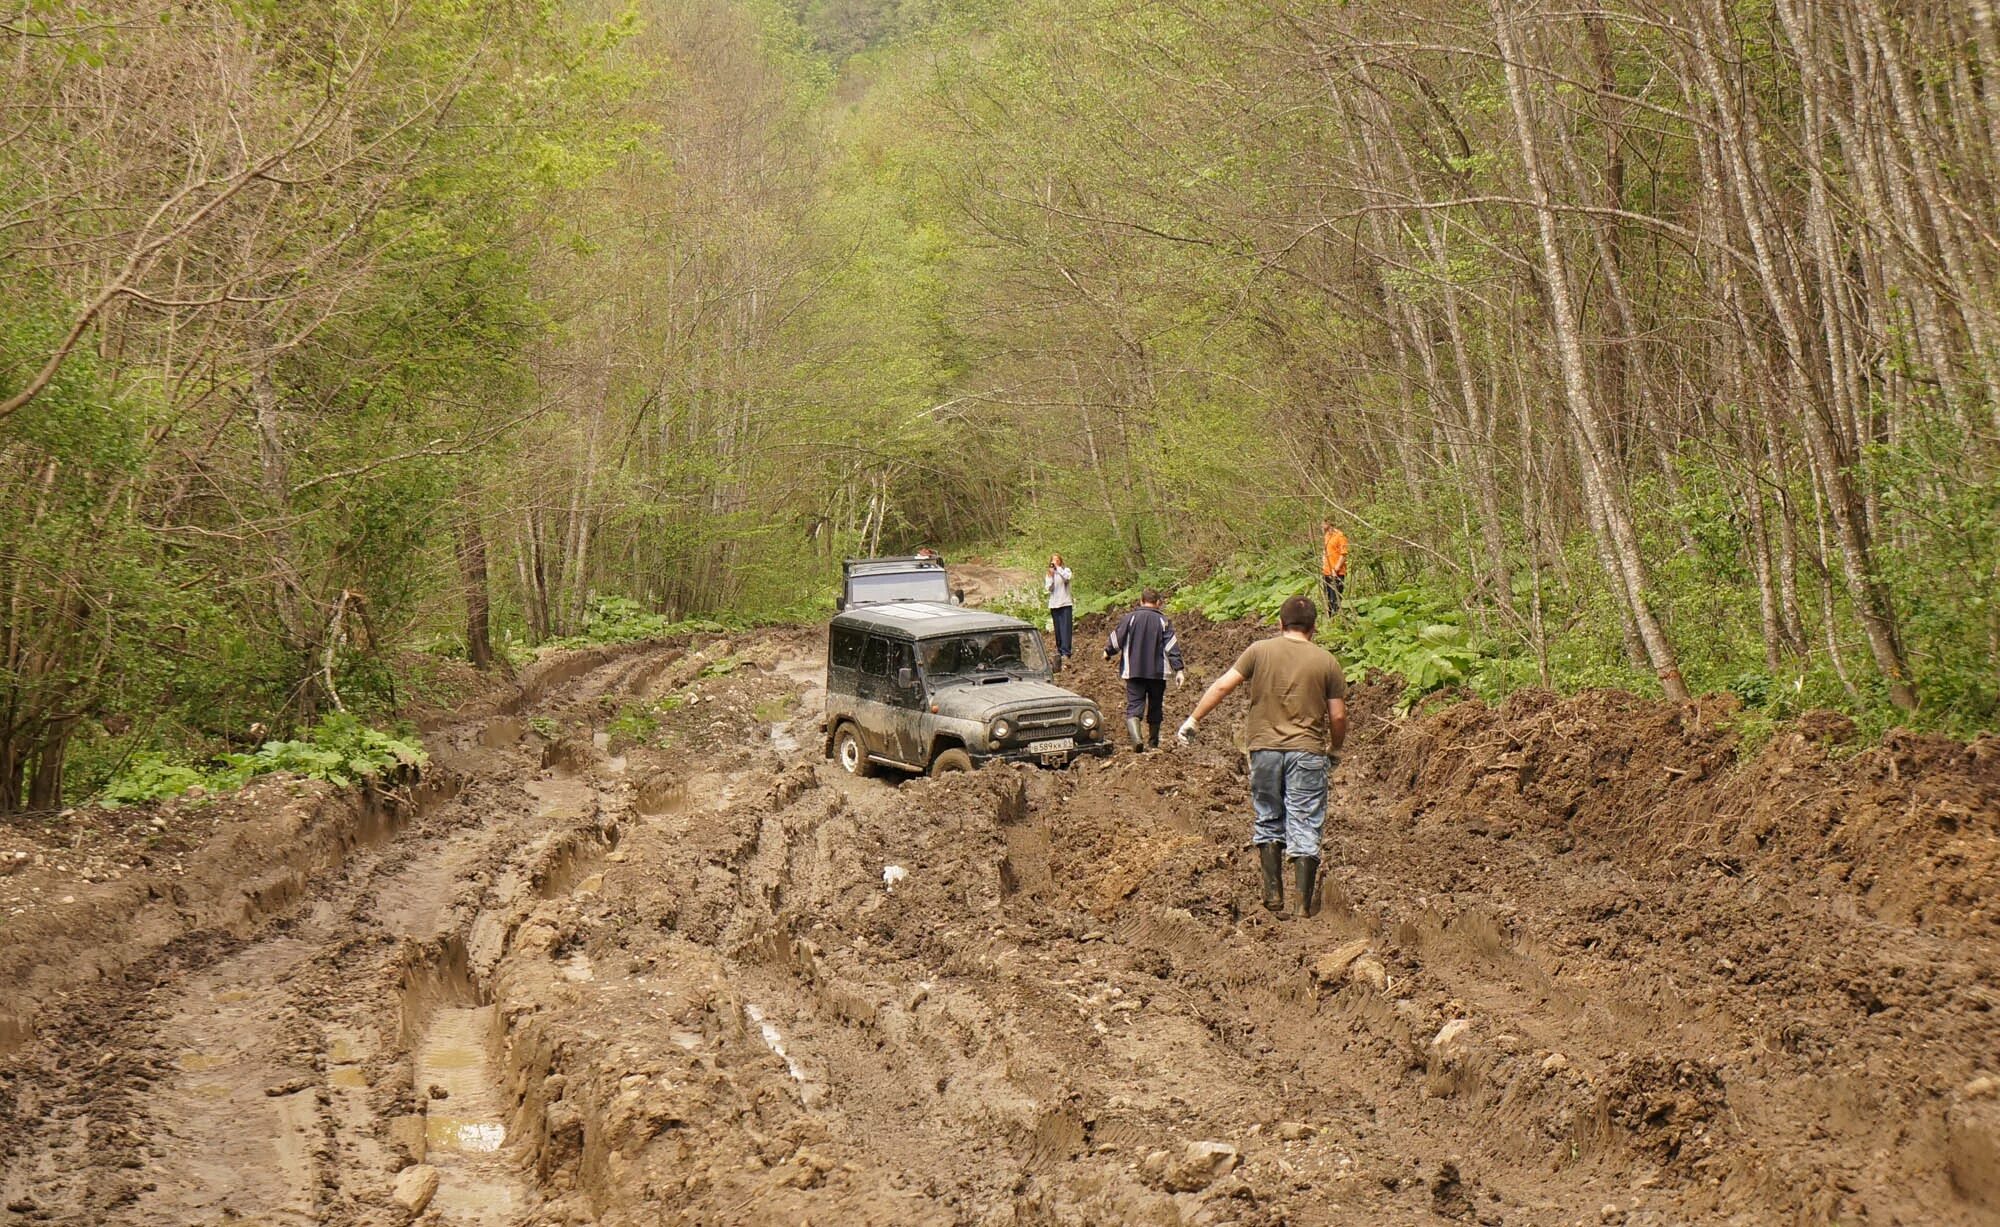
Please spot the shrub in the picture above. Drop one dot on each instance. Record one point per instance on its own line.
(339, 749)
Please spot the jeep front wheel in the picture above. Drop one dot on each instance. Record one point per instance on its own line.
(850, 753)
(950, 761)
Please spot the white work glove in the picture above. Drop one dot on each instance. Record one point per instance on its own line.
(1185, 734)
(1180, 679)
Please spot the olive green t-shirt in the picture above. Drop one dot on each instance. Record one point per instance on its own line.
(1290, 682)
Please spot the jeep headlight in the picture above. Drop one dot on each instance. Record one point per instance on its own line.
(1088, 720)
(999, 731)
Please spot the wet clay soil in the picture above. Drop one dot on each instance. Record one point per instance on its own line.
(1575, 964)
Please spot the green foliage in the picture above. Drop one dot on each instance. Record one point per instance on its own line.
(1254, 587)
(1754, 729)
(150, 776)
(619, 619)
(339, 749)
(634, 722)
(1414, 635)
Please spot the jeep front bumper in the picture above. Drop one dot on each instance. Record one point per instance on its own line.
(1059, 758)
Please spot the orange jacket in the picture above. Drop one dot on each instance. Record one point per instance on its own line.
(1335, 562)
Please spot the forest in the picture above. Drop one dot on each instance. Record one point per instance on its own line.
(1650, 344)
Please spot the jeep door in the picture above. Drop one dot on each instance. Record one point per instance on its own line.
(889, 711)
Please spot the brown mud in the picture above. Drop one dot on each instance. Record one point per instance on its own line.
(1575, 964)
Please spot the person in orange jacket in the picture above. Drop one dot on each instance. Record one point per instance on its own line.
(1333, 566)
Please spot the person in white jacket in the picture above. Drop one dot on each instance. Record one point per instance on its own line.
(1062, 609)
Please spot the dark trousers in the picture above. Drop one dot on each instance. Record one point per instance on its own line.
(1146, 696)
(1064, 619)
(1330, 586)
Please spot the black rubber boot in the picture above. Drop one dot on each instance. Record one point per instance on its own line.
(1271, 858)
(1153, 736)
(1305, 875)
(1132, 731)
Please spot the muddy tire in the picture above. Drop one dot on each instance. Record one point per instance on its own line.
(850, 753)
(951, 761)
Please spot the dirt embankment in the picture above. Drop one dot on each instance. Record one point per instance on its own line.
(668, 965)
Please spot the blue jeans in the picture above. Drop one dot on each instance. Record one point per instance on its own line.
(1288, 797)
(1063, 618)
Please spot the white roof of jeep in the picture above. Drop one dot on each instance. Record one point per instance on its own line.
(923, 619)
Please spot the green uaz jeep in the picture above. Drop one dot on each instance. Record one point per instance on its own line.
(924, 686)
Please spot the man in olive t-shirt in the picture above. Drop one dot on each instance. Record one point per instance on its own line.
(1296, 722)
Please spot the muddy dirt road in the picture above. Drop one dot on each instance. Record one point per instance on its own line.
(640, 955)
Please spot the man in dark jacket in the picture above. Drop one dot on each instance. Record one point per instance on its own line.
(1149, 652)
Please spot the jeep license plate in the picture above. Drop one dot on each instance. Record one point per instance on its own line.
(1055, 745)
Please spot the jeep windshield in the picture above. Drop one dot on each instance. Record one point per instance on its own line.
(982, 656)
(884, 587)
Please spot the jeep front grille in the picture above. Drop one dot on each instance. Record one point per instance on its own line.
(1041, 725)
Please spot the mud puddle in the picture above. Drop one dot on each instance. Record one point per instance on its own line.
(465, 1124)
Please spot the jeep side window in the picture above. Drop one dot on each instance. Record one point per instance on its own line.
(903, 656)
(875, 657)
(845, 651)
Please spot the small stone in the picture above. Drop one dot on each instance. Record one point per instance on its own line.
(1972, 1149)
(415, 1186)
(1982, 1087)
(1154, 1165)
(1611, 1214)
(1332, 966)
(1369, 971)
(1554, 1063)
(1293, 1131)
(1451, 1035)
(1202, 1164)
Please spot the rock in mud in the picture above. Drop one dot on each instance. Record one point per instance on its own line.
(1202, 1164)
(1972, 1150)
(1292, 1131)
(1369, 971)
(1451, 1038)
(415, 1186)
(1331, 967)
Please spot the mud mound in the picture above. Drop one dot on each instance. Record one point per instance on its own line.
(1911, 828)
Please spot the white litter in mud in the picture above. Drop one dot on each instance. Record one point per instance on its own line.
(892, 874)
(477, 1137)
(774, 1040)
